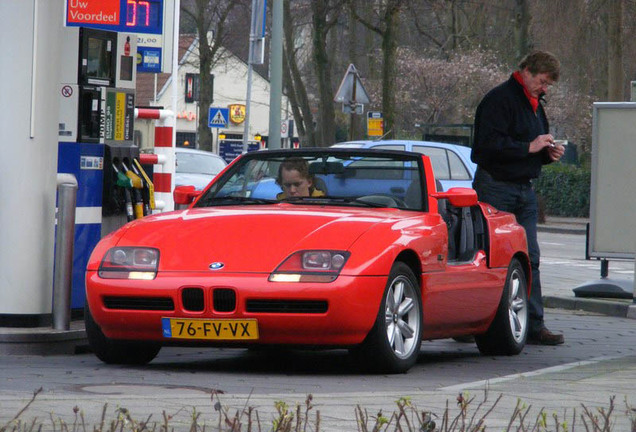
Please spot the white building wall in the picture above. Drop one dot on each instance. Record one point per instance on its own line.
(30, 42)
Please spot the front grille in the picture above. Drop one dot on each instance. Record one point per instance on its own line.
(139, 303)
(224, 299)
(287, 306)
(192, 299)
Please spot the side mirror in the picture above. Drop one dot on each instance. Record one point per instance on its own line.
(458, 196)
(185, 194)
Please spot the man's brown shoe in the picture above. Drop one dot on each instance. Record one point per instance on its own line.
(546, 337)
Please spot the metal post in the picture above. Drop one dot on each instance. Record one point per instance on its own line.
(634, 292)
(67, 199)
(604, 268)
(276, 74)
(250, 61)
(353, 110)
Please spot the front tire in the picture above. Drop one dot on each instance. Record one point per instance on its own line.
(117, 352)
(393, 344)
(508, 331)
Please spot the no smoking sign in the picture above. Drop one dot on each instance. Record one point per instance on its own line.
(67, 91)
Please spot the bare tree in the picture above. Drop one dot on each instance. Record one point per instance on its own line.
(522, 25)
(325, 16)
(462, 25)
(386, 24)
(615, 50)
(295, 87)
(210, 17)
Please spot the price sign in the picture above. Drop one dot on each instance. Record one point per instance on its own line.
(126, 16)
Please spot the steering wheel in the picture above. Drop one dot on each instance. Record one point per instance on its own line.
(384, 199)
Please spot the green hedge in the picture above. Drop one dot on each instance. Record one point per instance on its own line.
(564, 190)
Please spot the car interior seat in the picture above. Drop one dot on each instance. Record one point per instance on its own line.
(466, 229)
(450, 215)
(320, 184)
(413, 195)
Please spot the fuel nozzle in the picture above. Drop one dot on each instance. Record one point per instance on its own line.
(148, 193)
(135, 180)
(137, 188)
(126, 184)
(122, 179)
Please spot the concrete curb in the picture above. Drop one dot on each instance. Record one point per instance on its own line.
(616, 308)
(43, 340)
(561, 229)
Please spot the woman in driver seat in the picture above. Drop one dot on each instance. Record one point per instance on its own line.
(295, 180)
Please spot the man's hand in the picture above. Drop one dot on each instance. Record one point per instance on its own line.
(556, 151)
(541, 142)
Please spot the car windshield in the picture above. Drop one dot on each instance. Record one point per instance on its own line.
(361, 178)
(198, 163)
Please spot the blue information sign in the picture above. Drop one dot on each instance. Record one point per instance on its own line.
(231, 149)
(148, 59)
(218, 117)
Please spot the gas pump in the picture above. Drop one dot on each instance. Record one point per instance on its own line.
(97, 94)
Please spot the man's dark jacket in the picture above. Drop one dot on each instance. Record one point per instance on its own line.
(504, 126)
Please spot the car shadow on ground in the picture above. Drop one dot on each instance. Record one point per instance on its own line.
(286, 361)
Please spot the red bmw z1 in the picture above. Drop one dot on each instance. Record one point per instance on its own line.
(317, 248)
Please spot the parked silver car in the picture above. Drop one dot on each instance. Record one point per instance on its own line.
(196, 167)
(451, 162)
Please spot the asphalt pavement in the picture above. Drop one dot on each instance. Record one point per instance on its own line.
(561, 391)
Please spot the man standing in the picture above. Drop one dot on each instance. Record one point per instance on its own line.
(512, 142)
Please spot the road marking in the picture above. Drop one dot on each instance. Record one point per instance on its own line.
(544, 371)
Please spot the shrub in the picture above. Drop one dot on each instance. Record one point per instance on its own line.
(470, 415)
(564, 190)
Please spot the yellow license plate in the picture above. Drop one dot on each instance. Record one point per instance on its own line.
(219, 329)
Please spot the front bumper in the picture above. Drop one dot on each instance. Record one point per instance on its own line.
(339, 313)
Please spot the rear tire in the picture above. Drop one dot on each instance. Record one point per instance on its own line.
(508, 331)
(393, 344)
(117, 352)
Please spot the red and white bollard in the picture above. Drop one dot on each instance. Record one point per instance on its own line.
(164, 158)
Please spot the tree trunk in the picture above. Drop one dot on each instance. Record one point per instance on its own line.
(521, 25)
(326, 114)
(615, 51)
(296, 89)
(389, 52)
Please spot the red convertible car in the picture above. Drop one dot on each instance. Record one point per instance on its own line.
(317, 248)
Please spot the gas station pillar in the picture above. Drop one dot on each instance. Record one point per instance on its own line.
(30, 43)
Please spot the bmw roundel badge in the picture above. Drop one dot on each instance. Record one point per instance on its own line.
(216, 266)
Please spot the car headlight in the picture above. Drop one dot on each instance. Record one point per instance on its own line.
(129, 263)
(310, 266)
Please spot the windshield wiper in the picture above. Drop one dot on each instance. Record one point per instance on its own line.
(232, 199)
(329, 199)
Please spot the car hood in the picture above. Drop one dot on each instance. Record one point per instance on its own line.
(254, 239)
